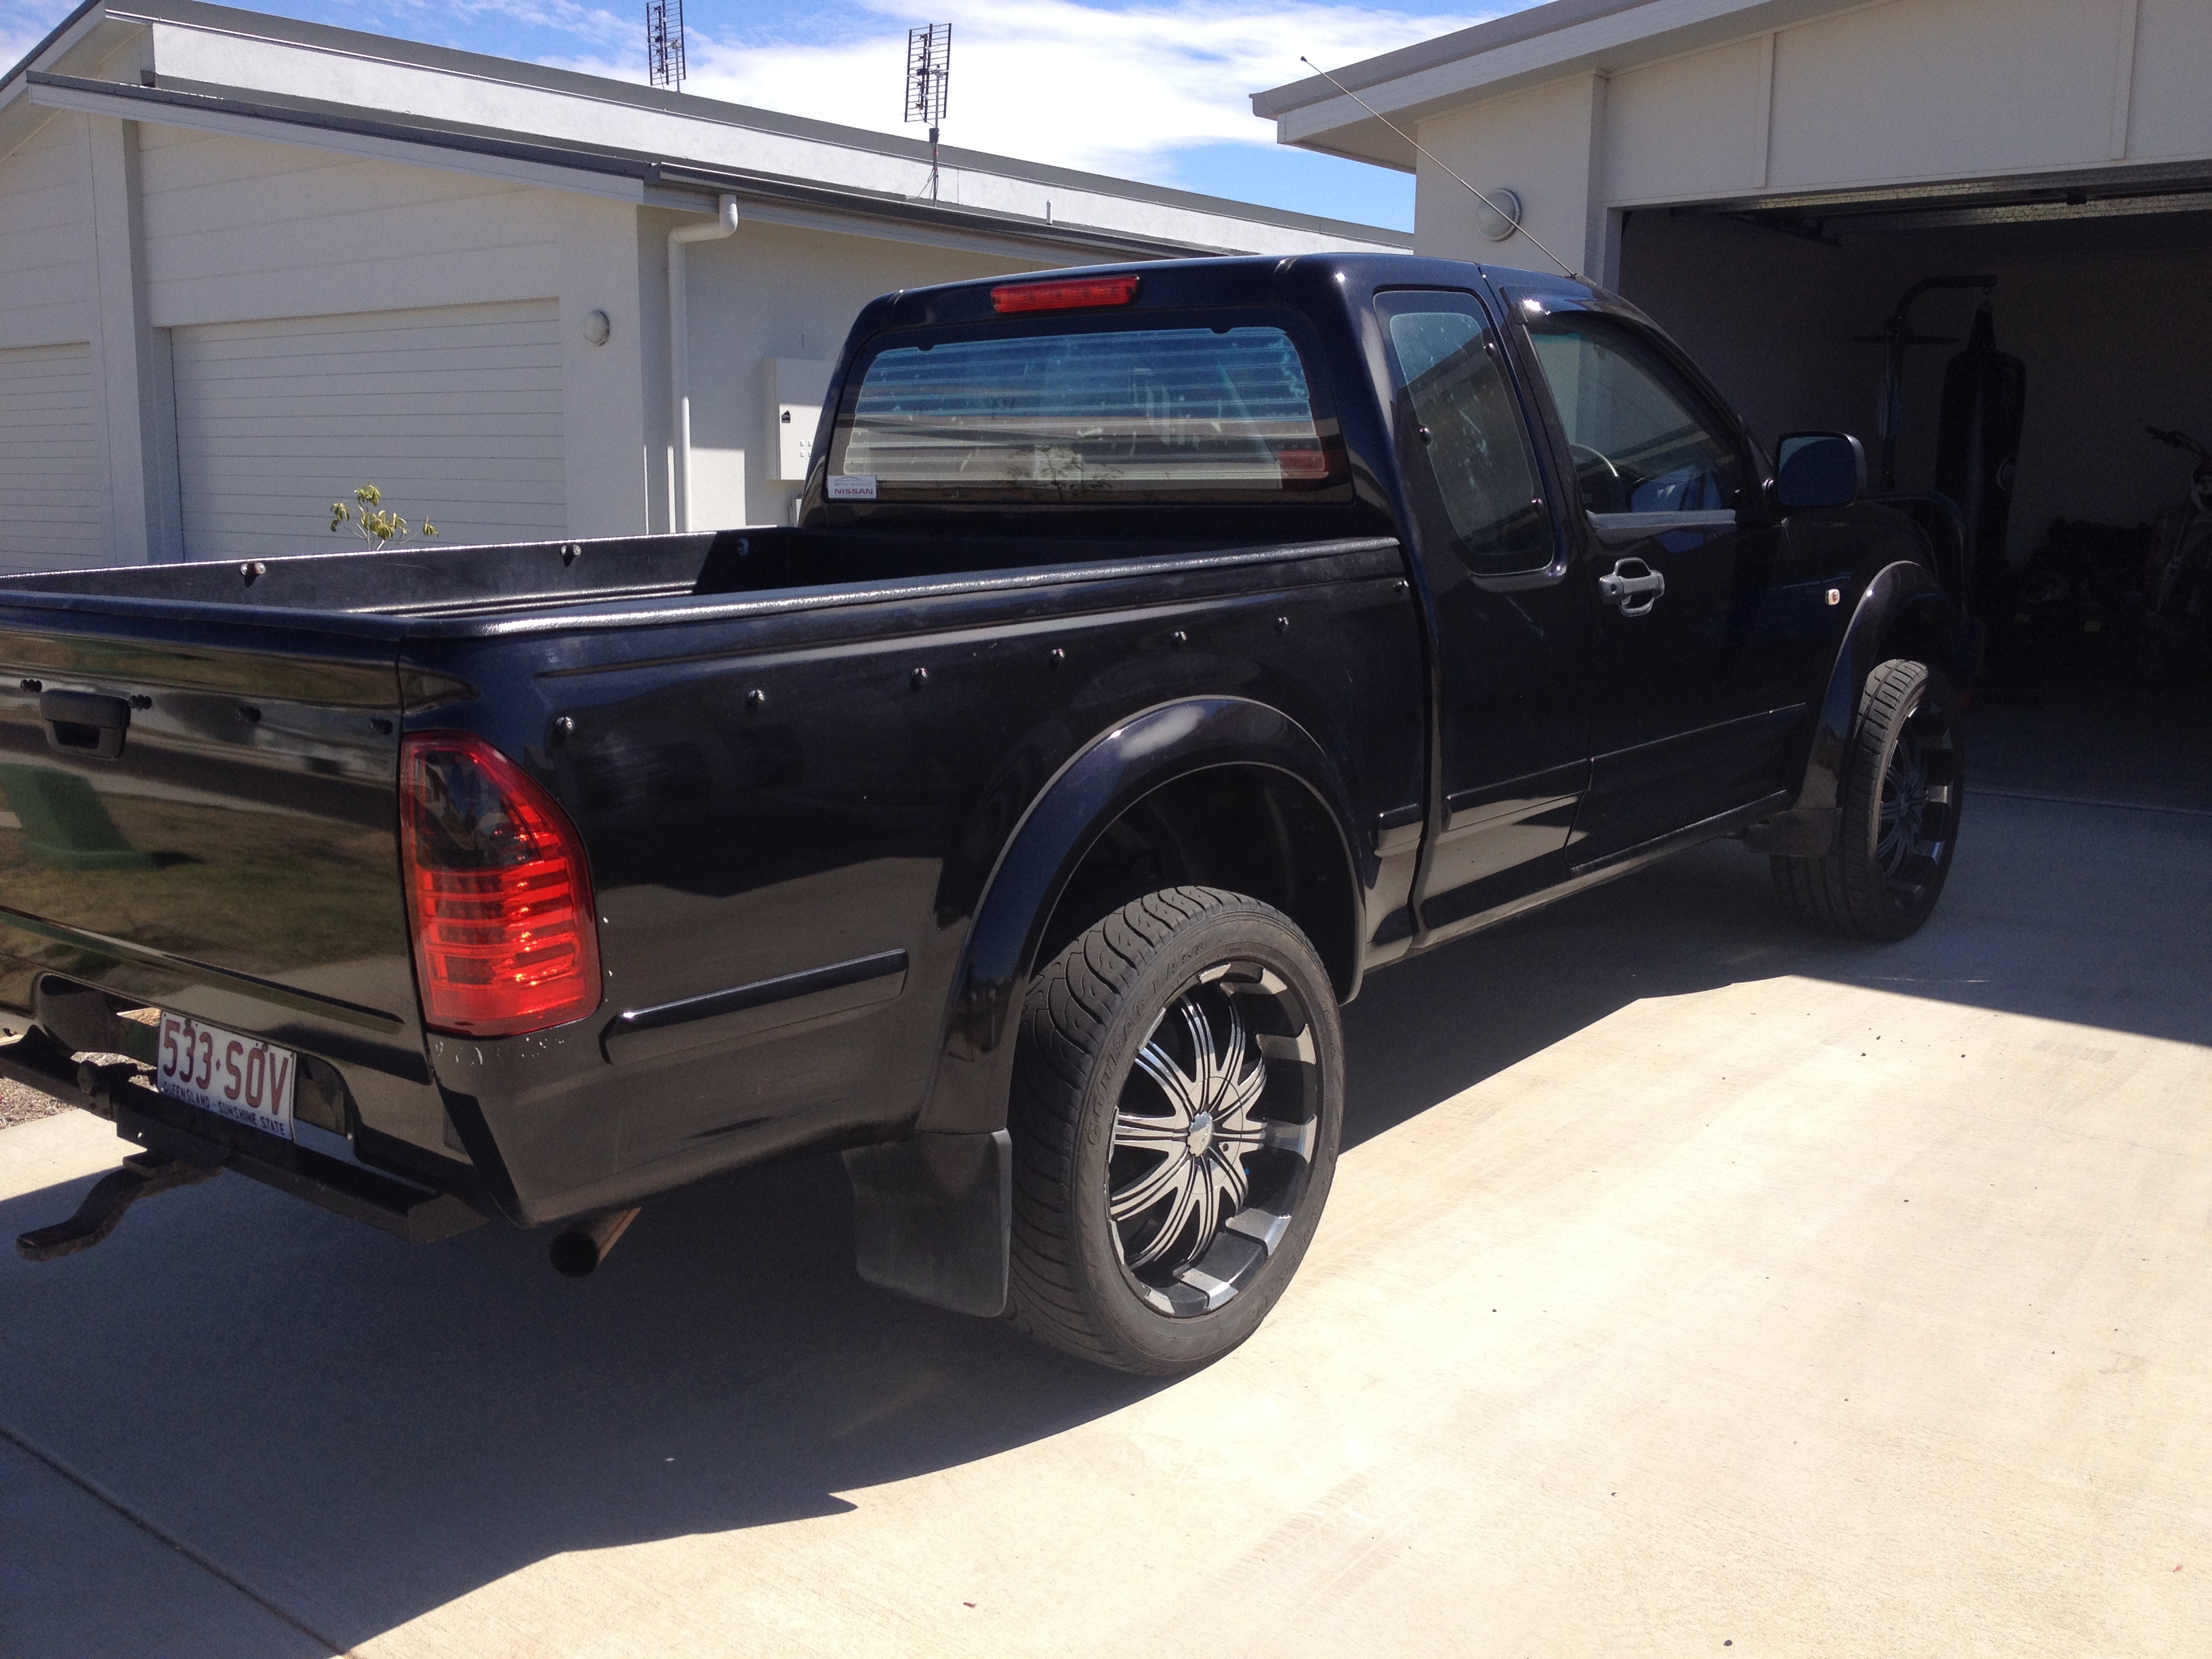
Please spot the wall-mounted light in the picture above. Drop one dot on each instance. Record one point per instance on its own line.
(597, 327)
(1497, 218)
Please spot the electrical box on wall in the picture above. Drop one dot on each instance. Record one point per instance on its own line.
(796, 387)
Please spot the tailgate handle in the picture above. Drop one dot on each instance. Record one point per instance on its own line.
(85, 723)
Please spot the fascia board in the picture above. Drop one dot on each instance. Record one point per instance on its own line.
(48, 92)
(1030, 249)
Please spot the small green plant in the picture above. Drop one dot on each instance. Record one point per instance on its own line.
(374, 522)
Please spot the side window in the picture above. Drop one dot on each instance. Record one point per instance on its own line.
(1642, 439)
(1476, 447)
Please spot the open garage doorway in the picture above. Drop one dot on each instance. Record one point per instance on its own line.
(2101, 301)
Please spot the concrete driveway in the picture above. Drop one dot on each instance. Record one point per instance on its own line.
(1689, 1286)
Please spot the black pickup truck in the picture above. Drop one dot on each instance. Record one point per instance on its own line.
(1159, 650)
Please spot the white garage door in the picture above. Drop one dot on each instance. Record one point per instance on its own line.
(454, 413)
(49, 459)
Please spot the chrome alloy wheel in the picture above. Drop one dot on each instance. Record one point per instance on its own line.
(1919, 811)
(1214, 1138)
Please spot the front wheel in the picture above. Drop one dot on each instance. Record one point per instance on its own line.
(1178, 1100)
(1902, 793)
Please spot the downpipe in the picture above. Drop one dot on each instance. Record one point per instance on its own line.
(580, 1248)
(680, 355)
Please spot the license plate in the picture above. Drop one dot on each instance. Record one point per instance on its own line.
(240, 1078)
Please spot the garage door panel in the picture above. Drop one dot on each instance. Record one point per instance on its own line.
(453, 413)
(436, 370)
(282, 408)
(50, 506)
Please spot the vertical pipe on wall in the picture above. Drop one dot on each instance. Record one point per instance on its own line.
(2124, 81)
(679, 353)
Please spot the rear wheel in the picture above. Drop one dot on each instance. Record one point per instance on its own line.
(1178, 1100)
(1901, 799)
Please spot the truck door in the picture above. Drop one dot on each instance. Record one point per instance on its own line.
(1515, 628)
(1691, 710)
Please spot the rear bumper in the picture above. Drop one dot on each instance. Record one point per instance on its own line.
(400, 1207)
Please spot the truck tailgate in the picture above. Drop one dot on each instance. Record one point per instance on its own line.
(201, 814)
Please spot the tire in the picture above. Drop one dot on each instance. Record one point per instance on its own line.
(1901, 799)
(1144, 1238)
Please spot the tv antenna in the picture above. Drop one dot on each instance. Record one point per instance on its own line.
(928, 73)
(664, 44)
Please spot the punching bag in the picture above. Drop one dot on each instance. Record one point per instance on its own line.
(1978, 449)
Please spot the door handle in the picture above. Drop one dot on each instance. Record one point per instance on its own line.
(1634, 586)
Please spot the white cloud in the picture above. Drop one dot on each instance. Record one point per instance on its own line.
(1058, 81)
(22, 27)
(595, 24)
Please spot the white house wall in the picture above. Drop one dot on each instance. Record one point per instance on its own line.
(1941, 89)
(2170, 111)
(1690, 127)
(772, 291)
(1541, 144)
(596, 268)
(238, 229)
(45, 249)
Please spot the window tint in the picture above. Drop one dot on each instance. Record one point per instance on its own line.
(1642, 441)
(1127, 414)
(1475, 450)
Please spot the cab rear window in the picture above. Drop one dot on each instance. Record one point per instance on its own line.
(1121, 414)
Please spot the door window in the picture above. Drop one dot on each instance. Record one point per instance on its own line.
(1643, 440)
(1471, 438)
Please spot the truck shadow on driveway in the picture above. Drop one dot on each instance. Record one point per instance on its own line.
(364, 1432)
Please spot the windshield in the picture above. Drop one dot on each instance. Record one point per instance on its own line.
(1096, 414)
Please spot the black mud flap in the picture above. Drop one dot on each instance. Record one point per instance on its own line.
(932, 1219)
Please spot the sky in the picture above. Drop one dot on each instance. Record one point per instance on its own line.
(1148, 89)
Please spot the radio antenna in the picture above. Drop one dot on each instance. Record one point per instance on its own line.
(928, 75)
(664, 44)
(1512, 219)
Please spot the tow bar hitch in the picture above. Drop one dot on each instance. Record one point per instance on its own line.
(143, 1175)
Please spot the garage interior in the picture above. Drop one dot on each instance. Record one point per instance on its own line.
(2094, 287)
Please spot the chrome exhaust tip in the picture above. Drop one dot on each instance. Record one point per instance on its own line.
(580, 1247)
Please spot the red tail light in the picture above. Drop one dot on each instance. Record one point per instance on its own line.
(1076, 294)
(498, 892)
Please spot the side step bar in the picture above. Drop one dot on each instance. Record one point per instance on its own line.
(182, 1135)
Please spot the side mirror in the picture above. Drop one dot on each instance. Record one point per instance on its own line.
(1819, 469)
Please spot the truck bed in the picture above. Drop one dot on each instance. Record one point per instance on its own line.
(525, 579)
